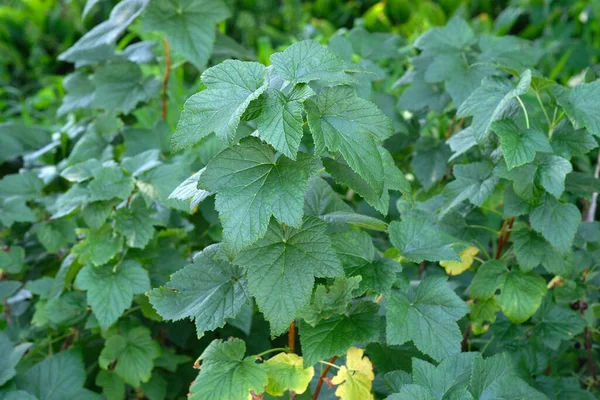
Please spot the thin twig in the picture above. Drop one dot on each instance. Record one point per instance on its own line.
(166, 78)
(592, 210)
(323, 374)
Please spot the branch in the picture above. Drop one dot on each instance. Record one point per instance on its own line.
(292, 337)
(325, 371)
(163, 93)
(592, 210)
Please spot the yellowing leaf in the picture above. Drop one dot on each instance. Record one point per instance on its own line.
(355, 378)
(466, 260)
(286, 372)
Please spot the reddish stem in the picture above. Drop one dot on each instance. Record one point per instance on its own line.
(292, 337)
(320, 383)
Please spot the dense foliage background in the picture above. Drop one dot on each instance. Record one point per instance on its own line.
(360, 199)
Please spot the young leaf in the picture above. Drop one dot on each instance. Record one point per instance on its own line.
(282, 268)
(225, 374)
(355, 378)
(135, 224)
(220, 107)
(208, 291)
(280, 120)
(252, 186)
(466, 260)
(427, 316)
(286, 372)
(110, 292)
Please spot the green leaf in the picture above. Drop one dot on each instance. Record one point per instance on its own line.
(557, 222)
(112, 385)
(225, 374)
(412, 392)
(357, 254)
(135, 224)
(334, 336)
(518, 294)
(282, 267)
(26, 185)
(141, 162)
(430, 161)
(419, 239)
(286, 372)
(188, 191)
(581, 105)
(189, 25)
(532, 250)
(11, 355)
(519, 147)
(495, 378)
(330, 300)
(14, 209)
(157, 184)
(208, 291)
(280, 121)
(12, 260)
(489, 102)
(99, 246)
(134, 352)
(56, 234)
(341, 121)
(427, 315)
(110, 291)
(58, 377)
(307, 61)
(554, 323)
(82, 171)
(99, 42)
(120, 87)
(79, 89)
(474, 182)
(448, 380)
(252, 186)
(568, 142)
(394, 179)
(552, 171)
(109, 183)
(95, 214)
(230, 87)
(453, 37)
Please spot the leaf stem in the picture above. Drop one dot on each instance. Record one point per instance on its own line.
(329, 364)
(284, 349)
(323, 374)
(166, 78)
(524, 110)
(537, 94)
